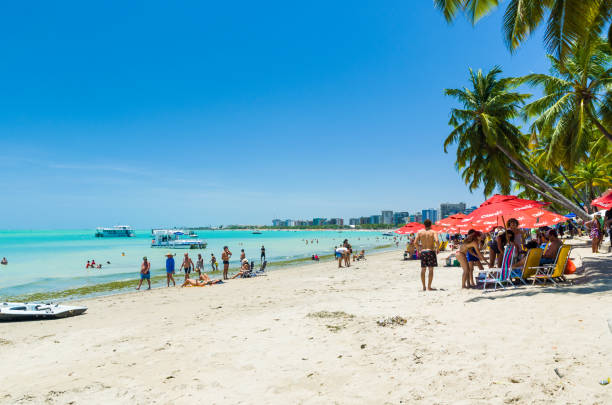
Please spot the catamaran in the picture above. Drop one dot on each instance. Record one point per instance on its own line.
(174, 239)
(118, 231)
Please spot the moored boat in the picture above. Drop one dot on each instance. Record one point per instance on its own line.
(174, 239)
(118, 231)
(24, 311)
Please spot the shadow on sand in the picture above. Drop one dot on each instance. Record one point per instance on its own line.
(595, 277)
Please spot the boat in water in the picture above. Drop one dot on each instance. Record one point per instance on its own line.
(387, 234)
(118, 231)
(24, 311)
(256, 233)
(175, 239)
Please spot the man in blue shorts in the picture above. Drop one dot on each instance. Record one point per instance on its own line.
(170, 269)
(145, 273)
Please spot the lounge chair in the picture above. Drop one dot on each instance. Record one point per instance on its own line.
(553, 272)
(501, 275)
(529, 267)
(254, 273)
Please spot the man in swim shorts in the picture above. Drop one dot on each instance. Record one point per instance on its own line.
(170, 269)
(187, 265)
(145, 273)
(225, 256)
(427, 245)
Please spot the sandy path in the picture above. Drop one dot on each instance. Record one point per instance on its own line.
(253, 341)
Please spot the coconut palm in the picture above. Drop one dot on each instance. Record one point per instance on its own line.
(593, 176)
(566, 20)
(490, 147)
(573, 96)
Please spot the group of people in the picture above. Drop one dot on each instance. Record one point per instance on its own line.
(187, 266)
(426, 246)
(91, 264)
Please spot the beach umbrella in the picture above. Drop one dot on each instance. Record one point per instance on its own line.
(540, 218)
(604, 201)
(451, 220)
(411, 227)
(498, 209)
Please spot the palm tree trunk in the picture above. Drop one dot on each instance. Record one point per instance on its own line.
(528, 175)
(601, 128)
(573, 188)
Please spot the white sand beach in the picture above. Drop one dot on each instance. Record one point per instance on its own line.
(309, 335)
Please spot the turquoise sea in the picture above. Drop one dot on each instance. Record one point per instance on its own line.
(41, 261)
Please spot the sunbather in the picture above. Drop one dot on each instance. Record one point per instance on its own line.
(244, 269)
(199, 283)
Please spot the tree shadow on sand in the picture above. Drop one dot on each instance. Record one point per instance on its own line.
(596, 277)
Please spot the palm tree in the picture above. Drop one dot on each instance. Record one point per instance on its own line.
(490, 147)
(567, 20)
(573, 96)
(593, 176)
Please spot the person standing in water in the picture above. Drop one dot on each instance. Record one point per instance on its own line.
(170, 269)
(427, 246)
(187, 265)
(263, 253)
(213, 262)
(199, 268)
(225, 256)
(145, 273)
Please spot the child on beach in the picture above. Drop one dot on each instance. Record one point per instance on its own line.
(213, 262)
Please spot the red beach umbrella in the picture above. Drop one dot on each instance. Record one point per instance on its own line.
(500, 208)
(539, 218)
(605, 201)
(411, 227)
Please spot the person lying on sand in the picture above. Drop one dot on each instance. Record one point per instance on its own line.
(199, 283)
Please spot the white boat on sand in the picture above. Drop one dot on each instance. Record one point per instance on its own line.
(24, 311)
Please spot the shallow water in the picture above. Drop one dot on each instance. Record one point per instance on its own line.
(43, 261)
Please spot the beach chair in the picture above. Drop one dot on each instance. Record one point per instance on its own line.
(529, 267)
(553, 272)
(499, 276)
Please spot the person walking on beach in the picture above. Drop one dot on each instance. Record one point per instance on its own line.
(225, 256)
(199, 268)
(187, 265)
(170, 269)
(263, 254)
(427, 246)
(145, 273)
(213, 262)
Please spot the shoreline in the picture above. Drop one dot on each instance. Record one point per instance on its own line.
(126, 285)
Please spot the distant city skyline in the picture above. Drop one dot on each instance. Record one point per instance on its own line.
(386, 217)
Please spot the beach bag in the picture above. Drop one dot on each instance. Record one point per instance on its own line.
(570, 268)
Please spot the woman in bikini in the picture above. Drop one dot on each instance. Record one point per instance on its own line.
(470, 244)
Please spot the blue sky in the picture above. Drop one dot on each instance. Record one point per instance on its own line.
(195, 113)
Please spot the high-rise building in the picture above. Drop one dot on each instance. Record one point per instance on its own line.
(318, 221)
(387, 217)
(276, 222)
(448, 209)
(430, 214)
(336, 221)
(354, 221)
(375, 219)
(400, 217)
(418, 217)
(364, 220)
